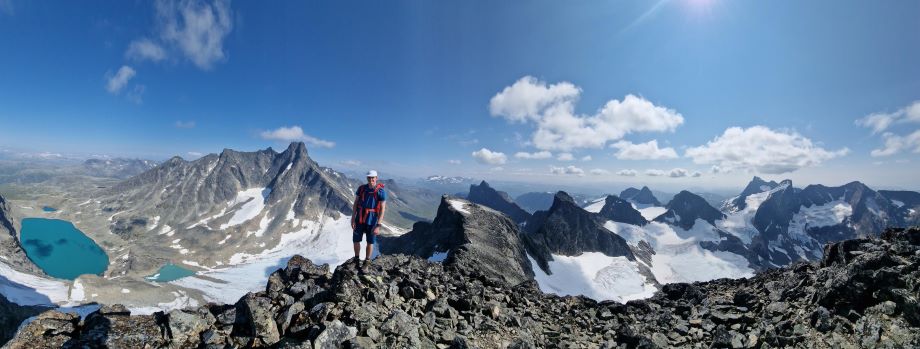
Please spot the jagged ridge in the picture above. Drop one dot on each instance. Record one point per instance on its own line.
(863, 293)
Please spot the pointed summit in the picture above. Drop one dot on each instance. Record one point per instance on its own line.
(642, 196)
(619, 210)
(756, 185)
(686, 207)
(485, 195)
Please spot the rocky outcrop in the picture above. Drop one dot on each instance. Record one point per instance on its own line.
(487, 196)
(685, 208)
(619, 210)
(10, 247)
(862, 294)
(472, 236)
(12, 315)
(567, 229)
(642, 196)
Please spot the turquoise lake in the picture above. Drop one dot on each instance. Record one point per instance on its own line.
(60, 249)
(170, 272)
(49, 209)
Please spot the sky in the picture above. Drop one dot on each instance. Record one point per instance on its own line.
(672, 94)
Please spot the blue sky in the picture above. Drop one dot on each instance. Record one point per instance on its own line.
(726, 89)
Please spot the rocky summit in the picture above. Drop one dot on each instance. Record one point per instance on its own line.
(864, 293)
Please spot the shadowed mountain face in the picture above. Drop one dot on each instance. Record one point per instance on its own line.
(567, 229)
(485, 195)
(10, 246)
(685, 208)
(472, 236)
(619, 210)
(907, 204)
(642, 196)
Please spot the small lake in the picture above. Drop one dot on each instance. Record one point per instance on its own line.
(48, 209)
(60, 249)
(170, 272)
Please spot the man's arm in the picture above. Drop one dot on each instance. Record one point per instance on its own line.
(383, 209)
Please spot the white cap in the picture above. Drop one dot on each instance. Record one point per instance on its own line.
(372, 173)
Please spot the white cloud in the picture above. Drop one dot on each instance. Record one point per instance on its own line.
(193, 29)
(351, 163)
(195, 154)
(879, 122)
(586, 158)
(696, 174)
(136, 94)
(571, 170)
(145, 49)
(565, 157)
(527, 97)
(454, 162)
(642, 151)
(497, 169)
(535, 155)
(185, 124)
(627, 173)
(895, 144)
(678, 172)
(761, 149)
(488, 157)
(599, 172)
(116, 82)
(295, 134)
(654, 173)
(715, 169)
(551, 109)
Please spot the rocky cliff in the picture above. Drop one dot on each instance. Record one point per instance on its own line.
(864, 293)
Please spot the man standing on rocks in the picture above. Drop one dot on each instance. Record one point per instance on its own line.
(369, 208)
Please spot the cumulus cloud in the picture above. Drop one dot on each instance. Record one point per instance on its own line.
(627, 173)
(763, 150)
(696, 174)
(642, 151)
(551, 108)
(586, 158)
(136, 94)
(654, 173)
(569, 170)
(535, 155)
(716, 169)
(895, 144)
(295, 134)
(879, 122)
(488, 157)
(185, 124)
(527, 97)
(145, 49)
(599, 172)
(351, 163)
(454, 162)
(678, 172)
(116, 82)
(565, 157)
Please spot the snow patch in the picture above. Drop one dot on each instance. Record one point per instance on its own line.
(328, 241)
(27, 289)
(438, 257)
(594, 275)
(596, 205)
(253, 201)
(459, 206)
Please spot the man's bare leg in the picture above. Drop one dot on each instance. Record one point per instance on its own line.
(370, 251)
(357, 251)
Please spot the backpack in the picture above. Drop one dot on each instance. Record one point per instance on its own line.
(365, 212)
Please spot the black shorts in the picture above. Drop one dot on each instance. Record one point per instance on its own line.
(364, 229)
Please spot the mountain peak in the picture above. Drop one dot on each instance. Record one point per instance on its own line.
(296, 147)
(686, 207)
(487, 196)
(562, 196)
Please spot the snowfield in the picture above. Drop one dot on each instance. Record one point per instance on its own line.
(678, 256)
(594, 275)
(328, 241)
